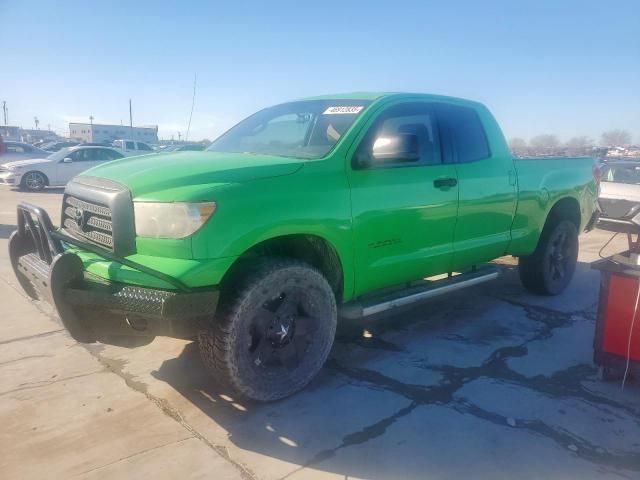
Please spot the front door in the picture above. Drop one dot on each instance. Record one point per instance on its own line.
(404, 213)
(81, 160)
(70, 166)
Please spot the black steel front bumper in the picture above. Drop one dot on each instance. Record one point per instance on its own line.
(92, 308)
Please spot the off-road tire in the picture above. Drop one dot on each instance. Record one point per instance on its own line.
(540, 271)
(225, 345)
(39, 181)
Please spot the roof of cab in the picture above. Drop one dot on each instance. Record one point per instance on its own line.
(377, 95)
(350, 96)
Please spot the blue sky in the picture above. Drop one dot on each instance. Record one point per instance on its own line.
(564, 67)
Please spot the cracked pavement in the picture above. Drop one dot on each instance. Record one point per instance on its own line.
(490, 382)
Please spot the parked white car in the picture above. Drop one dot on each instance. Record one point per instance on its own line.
(132, 147)
(56, 169)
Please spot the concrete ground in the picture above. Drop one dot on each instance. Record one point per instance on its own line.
(491, 382)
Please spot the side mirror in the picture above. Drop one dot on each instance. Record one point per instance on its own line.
(398, 148)
(67, 160)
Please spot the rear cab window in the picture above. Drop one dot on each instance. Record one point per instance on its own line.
(465, 137)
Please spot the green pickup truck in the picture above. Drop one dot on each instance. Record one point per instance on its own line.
(305, 212)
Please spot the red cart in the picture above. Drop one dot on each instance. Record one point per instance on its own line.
(617, 338)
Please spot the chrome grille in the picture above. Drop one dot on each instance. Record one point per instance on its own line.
(88, 221)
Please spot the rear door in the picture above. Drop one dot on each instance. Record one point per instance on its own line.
(404, 214)
(487, 185)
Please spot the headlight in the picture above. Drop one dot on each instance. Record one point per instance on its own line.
(171, 220)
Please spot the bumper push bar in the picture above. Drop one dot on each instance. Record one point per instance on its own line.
(94, 309)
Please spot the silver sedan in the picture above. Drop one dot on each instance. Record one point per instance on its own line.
(620, 196)
(20, 151)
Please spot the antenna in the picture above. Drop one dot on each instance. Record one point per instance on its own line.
(130, 120)
(193, 102)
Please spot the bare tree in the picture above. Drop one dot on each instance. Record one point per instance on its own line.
(615, 138)
(518, 146)
(544, 144)
(580, 145)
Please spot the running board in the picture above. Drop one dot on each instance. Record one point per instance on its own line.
(364, 307)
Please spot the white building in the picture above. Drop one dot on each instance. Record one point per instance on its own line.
(97, 133)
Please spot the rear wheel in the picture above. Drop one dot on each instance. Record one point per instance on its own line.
(549, 269)
(33, 181)
(273, 336)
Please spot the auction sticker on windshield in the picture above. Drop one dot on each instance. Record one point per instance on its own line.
(342, 110)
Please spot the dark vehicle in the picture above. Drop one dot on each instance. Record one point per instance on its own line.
(57, 146)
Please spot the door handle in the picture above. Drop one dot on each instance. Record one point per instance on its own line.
(445, 182)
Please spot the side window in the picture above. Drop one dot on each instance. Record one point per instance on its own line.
(76, 156)
(143, 146)
(113, 155)
(100, 155)
(466, 133)
(413, 124)
(130, 145)
(83, 155)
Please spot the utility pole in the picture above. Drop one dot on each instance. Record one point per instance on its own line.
(4, 110)
(130, 119)
(36, 121)
(179, 134)
(48, 127)
(91, 120)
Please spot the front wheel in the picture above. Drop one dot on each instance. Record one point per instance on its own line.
(273, 336)
(33, 181)
(550, 268)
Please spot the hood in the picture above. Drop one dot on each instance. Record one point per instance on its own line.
(148, 174)
(622, 191)
(24, 163)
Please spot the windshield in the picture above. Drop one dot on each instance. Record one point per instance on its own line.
(621, 174)
(305, 129)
